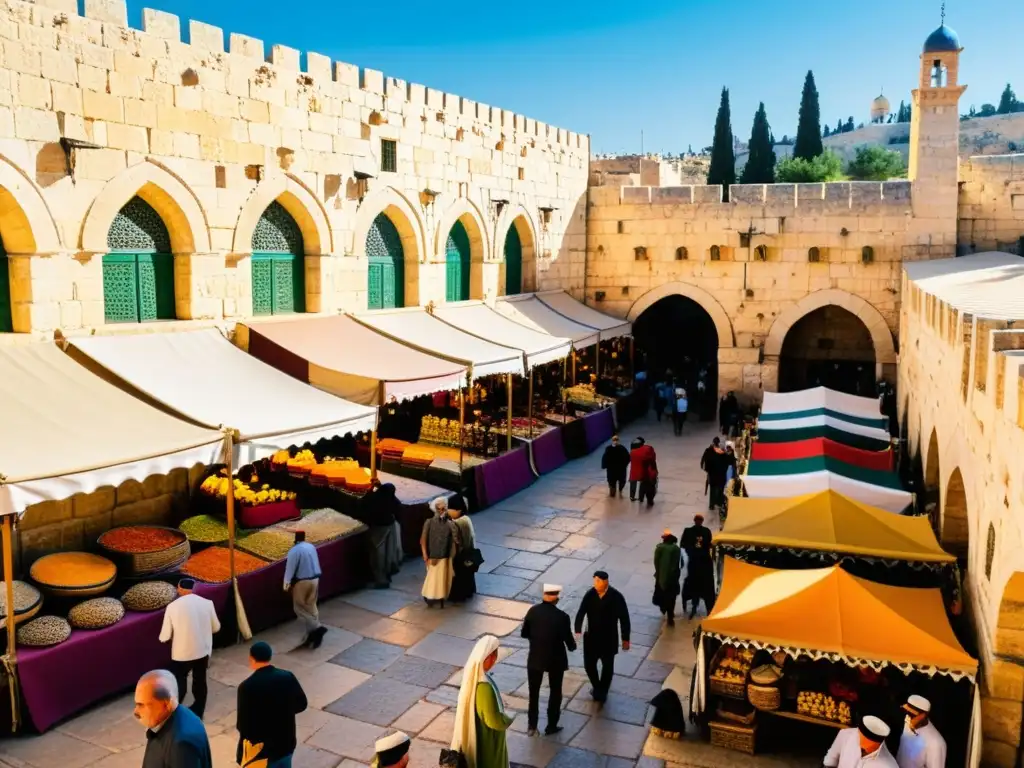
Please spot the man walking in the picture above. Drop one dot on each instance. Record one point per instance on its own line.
(614, 463)
(268, 701)
(643, 470)
(189, 625)
(175, 737)
(606, 613)
(547, 628)
(302, 577)
(700, 577)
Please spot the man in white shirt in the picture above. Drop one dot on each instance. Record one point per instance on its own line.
(921, 745)
(862, 747)
(189, 624)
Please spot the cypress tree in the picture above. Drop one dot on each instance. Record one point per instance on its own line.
(723, 159)
(760, 167)
(1007, 102)
(825, 132)
(808, 132)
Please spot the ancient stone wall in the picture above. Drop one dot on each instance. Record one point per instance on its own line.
(992, 204)
(962, 393)
(211, 132)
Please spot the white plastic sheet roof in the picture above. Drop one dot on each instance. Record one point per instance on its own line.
(821, 397)
(526, 309)
(418, 328)
(564, 304)
(476, 318)
(209, 380)
(989, 285)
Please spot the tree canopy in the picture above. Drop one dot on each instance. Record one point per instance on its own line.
(723, 158)
(875, 163)
(808, 131)
(1008, 101)
(760, 167)
(827, 166)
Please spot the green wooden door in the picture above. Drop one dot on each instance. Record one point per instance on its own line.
(6, 322)
(457, 263)
(138, 272)
(278, 264)
(386, 268)
(513, 262)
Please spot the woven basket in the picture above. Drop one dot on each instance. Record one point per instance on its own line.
(65, 587)
(728, 689)
(145, 563)
(728, 713)
(741, 738)
(764, 697)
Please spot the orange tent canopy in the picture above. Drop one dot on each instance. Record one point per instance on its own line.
(826, 610)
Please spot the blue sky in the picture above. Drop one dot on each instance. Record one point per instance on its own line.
(612, 68)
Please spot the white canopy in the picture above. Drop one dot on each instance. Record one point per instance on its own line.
(821, 420)
(821, 397)
(418, 328)
(564, 304)
(68, 431)
(475, 317)
(206, 378)
(784, 486)
(526, 309)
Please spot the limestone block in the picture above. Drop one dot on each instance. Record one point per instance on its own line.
(747, 194)
(128, 492)
(346, 74)
(112, 11)
(372, 81)
(35, 124)
(284, 57)
(243, 45)
(60, 67)
(670, 195)
(780, 194)
(1001, 720)
(807, 193)
(865, 192)
(318, 67)
(707, 193)
(995, 754)
(160, 24)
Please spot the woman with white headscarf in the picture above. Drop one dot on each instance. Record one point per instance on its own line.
(438, 542)
(480, 719)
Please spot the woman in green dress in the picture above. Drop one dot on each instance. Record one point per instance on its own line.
(480, 719)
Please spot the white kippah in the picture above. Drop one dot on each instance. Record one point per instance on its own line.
(920, 703)
(552, 589)
(875, 726)
(396, 739)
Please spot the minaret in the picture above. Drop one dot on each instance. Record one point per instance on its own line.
(935, 137)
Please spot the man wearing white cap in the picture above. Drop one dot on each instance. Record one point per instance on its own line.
(549, 631)
(921, 745)
(392, 751)
(861, 747)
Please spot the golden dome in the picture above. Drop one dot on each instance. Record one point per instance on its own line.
(880, 106)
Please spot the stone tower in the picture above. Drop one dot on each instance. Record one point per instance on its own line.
(935, 143)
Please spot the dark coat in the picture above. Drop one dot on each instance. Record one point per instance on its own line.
(716, 466)
(615, 460)
(605, 617)
(181, 743)
(700, 575)
(268, 701)
(378, 508)
(668, 712)
(547, 628)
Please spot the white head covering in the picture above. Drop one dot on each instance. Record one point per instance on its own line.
(920, 703)
(437, 502)
(464, 733)
(874, 727)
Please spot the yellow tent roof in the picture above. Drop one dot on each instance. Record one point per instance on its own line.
(828, 611)
(830, 522)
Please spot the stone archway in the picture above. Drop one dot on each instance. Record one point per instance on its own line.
(955, 529)
(404, 215)
(726, 338)
(1003, 679)
(931, 487)
(518, 218)
(462, 211)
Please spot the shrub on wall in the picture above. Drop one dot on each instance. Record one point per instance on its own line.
(827, 166)
(875, 163)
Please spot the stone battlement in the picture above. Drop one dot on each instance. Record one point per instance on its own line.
(105, 22)
(848, 194)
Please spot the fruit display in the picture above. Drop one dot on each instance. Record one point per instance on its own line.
(440, 431)
(823, 707)
(521, 427)
(584, 394)
(734, 665)
(245, 493)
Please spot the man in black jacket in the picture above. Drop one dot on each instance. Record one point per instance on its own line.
(615, 461)
(547, 628)
(268, 701)
(175, 736)
(606, 612)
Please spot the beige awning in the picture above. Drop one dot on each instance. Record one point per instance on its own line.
(526, 309)
(68, 431)
(476, 318)
(564, 304)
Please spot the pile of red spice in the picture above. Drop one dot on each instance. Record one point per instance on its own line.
(137, 539)
(213, 566)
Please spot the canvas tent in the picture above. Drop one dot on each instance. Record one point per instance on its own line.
(346, 358)
(818, 420)
(528, 310)
(823, 430)
(564, 304)
(206, 378)
(818, 398)
(479, 320)
(821, 446)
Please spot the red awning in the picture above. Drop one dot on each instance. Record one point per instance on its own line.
(821, 446)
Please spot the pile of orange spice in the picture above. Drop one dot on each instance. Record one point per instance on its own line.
(136, 539)
(213, 565)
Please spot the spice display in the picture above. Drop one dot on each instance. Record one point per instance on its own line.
(73, 573)
(27, 602)
(213, 565)
(97, 613)
(132, 539)
(205, 529)
(43, 632)
(320, 525)
(149, 596)
(823, 706)
(268, 544)
(217, 486)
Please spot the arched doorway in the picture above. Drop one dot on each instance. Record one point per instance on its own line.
(676, 334)
(513, 262)
(138, 269)
(931, 483)
(278, 264)
(955, 531)
(457, 263)
(386, 267)
(6, 315)
(829, 346)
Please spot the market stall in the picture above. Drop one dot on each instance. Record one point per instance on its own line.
(821, 399)
(792, 429)
(821, 446)
(607, 326)
(820, 648)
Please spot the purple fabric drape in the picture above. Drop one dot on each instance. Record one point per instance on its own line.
(502, 477)
(599, 428)
(548, 452)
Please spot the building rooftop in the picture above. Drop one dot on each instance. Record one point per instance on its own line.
(941, 40)
(988, 285)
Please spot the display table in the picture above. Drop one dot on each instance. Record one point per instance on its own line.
(263, 515)
(599, 428)
(547, 450)
(502, 477)
(574, 439)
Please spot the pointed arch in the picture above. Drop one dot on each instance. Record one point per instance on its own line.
(955, 521)
(26, 223)
(169, 196)
(462, 209)
(707, 302)
(932, 468)
(519, 218)
(406, 218)
(300, 202)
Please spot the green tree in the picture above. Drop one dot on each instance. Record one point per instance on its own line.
(987, 110)
(723, 159)
(827, 166)
(1007, 102)
(808, 130)
(825, 132)
(760, 167)
(875, 163)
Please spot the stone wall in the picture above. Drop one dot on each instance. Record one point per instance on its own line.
(93, 112)
(962, 393)
(992, 204)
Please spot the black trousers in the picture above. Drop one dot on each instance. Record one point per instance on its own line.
(600, 681)
(535, 677)
(613, 481)
(180, 670)
(716, 498)
(678, 419)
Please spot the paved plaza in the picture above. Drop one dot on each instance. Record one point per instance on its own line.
(390, 662)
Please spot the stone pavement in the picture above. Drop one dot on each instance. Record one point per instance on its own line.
(390, 662)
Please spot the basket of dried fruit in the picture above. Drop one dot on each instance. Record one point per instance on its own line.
(145, 549)
(730, 668)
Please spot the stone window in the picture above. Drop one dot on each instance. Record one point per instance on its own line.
(388, 156)
(990, 551)
(621, 227)
(867, 254)
(682, 254)
(814, 255)
(761, 253)
(716, 253)
(939, 74)
(640, 253)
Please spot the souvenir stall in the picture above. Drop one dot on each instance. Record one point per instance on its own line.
(787, 657)
(77, 433)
